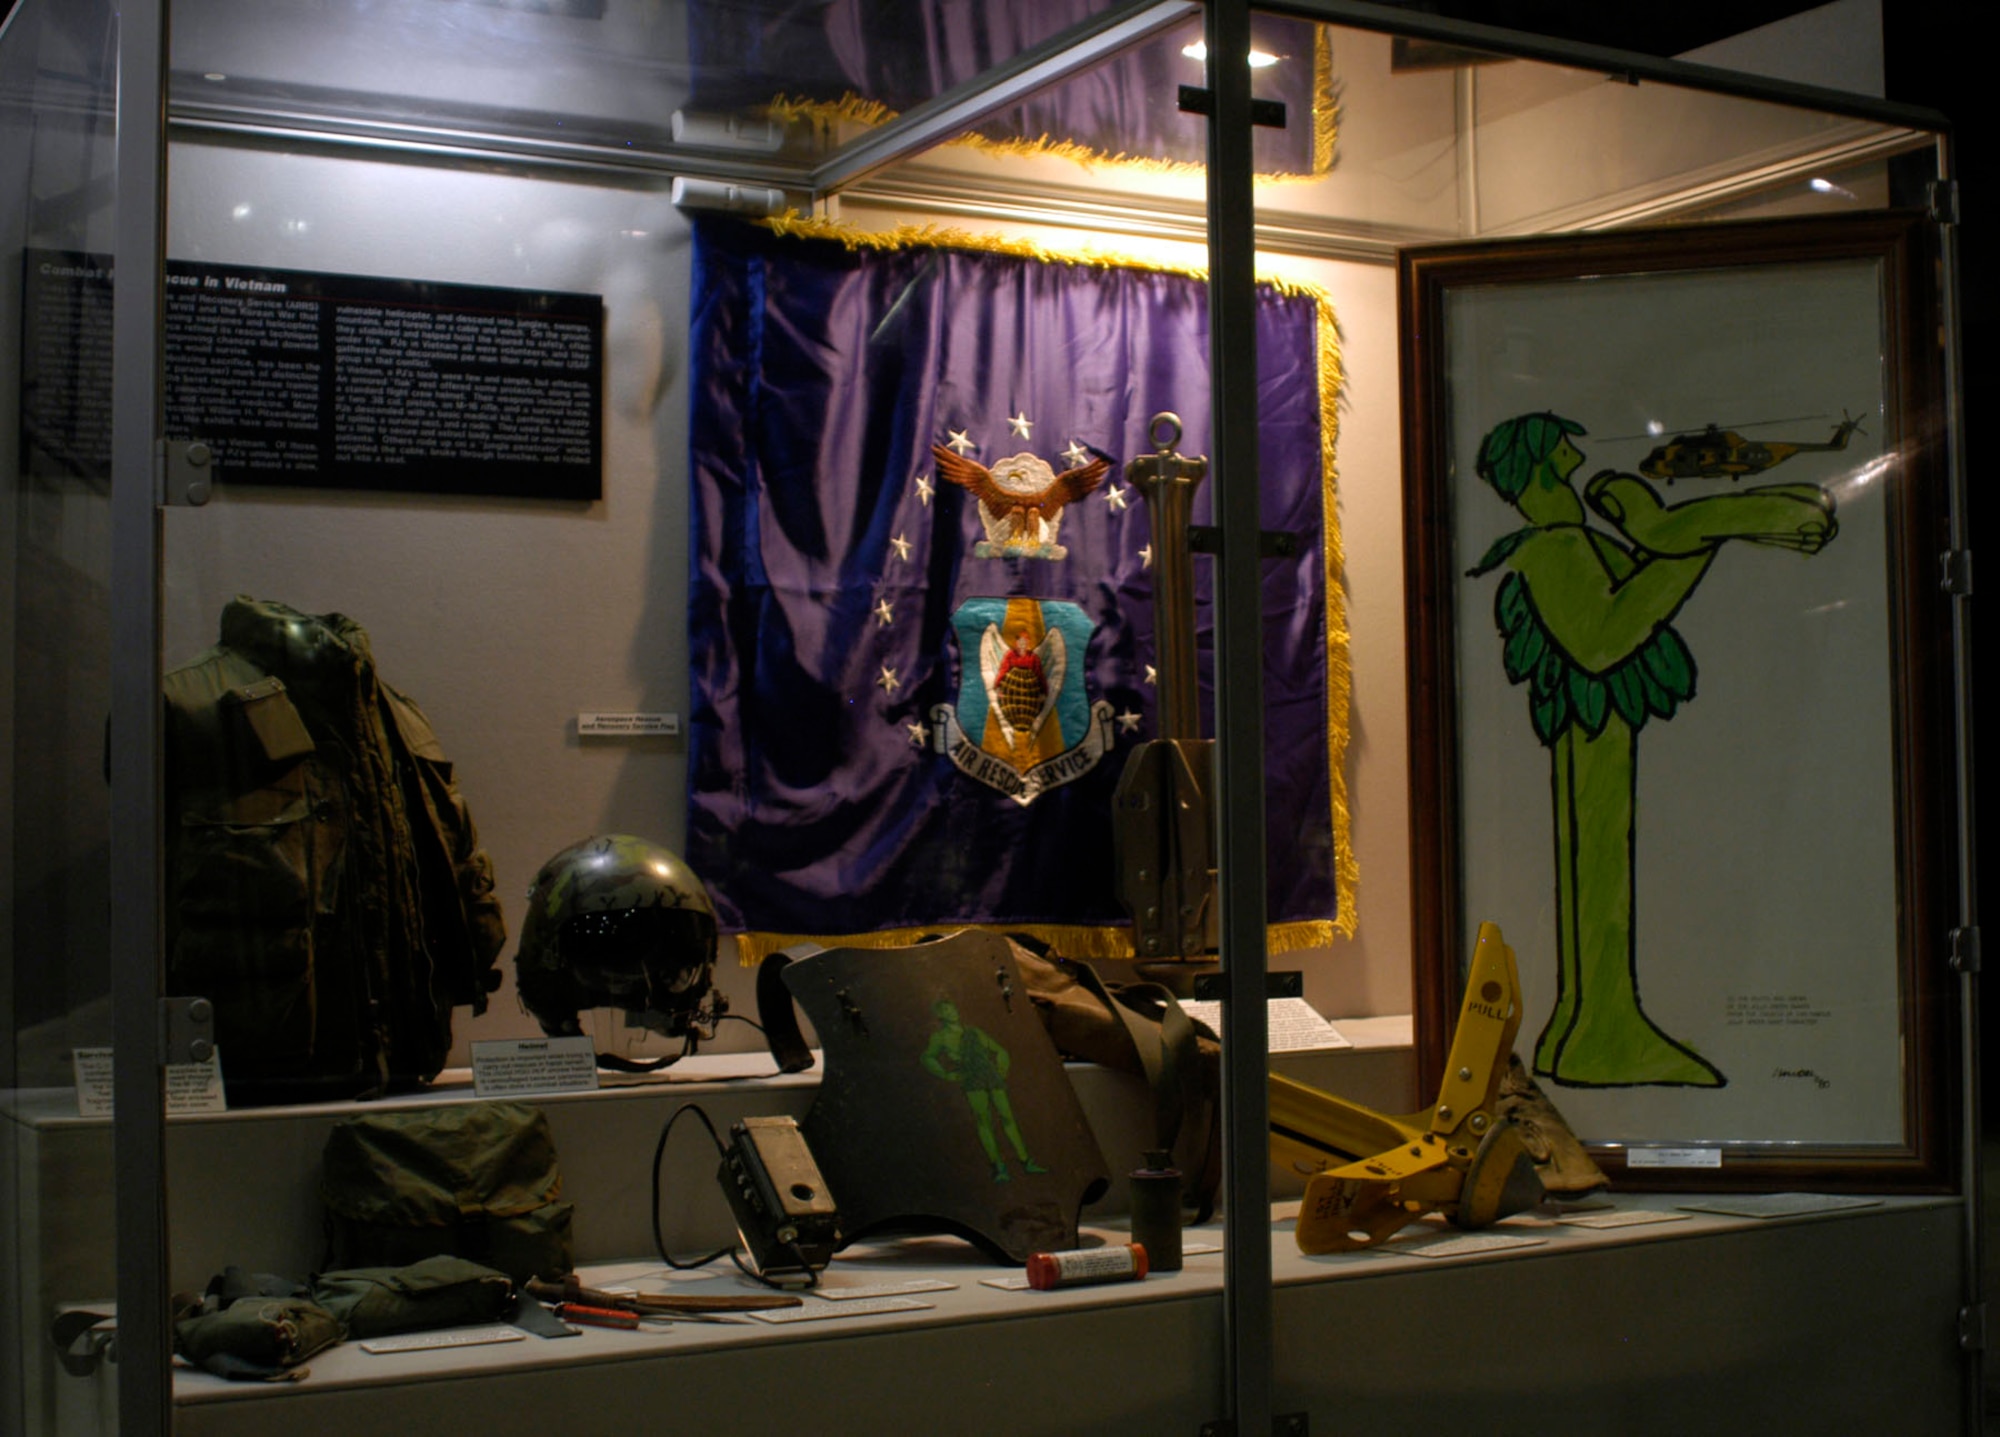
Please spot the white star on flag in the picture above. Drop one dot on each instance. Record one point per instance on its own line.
(960, 441)
(1076, 454)
(919, 735)
(1021, 424)
(1118, 496)
(1146, 557)
(902, 547)
(1152, 676)
(884, 615)
(924, 489)
(888, 682)
(1128, 722)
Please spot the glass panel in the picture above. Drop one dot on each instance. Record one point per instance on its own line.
(1564, 149)
(587, 76)
(1391, 141)
(1383, 166)
(1438, 145)
(57, 190)
(379, 345)
(507, 615)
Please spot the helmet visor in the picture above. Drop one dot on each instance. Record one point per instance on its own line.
(640, 959)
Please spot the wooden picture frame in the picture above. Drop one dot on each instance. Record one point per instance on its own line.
(1680, 687)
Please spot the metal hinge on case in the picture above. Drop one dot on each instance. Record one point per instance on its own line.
(1972, 1327)
(1943, 201)
(187, 1031)
(1964, 950)
(1957, 577)
(186, 476)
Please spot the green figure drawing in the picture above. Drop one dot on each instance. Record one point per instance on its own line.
(977, 1064)
(1584, 616)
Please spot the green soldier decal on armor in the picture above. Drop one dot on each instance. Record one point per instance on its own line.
(1586, 623)
(972, 1059)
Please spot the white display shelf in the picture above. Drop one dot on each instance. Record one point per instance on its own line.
(1840, 1322)
(1843, 1322)
(243, 1186)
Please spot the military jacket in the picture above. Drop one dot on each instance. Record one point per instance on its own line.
(326, 887)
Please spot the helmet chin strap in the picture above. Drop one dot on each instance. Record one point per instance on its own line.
(701, 1024)
(613, 1063)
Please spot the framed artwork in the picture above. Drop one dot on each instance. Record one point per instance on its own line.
(1680, 686)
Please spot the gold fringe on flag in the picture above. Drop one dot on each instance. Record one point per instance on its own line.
(1339, 656)
(1072, 940)
(1090, 941)
(1326, 106)
(794, 225)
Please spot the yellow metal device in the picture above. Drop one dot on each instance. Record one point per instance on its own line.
(1371, 1173)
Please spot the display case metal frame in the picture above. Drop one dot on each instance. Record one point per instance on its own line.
(145, 1344)
(143, 131)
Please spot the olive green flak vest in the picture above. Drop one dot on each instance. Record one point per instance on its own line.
(325, 885)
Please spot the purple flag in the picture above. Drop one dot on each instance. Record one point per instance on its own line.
(921, 628)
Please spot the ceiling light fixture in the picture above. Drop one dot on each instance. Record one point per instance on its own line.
(1259, 59)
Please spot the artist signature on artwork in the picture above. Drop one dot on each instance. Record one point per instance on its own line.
(1807, 1073)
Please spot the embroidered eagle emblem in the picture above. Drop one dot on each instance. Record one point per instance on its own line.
(1021, 500)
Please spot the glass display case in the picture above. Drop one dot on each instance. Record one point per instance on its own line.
(613, 393)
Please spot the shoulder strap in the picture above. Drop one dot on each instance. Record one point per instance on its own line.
(777, 1013)
(1163, 1038)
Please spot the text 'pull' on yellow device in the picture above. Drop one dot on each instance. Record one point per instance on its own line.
(1371, 1173)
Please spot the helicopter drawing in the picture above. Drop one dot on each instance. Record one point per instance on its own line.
(1718, 453)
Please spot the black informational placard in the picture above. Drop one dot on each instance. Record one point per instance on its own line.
(328, 381)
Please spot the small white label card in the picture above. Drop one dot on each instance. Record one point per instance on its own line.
(627, 725)
(1637, 1217)
(1778, 1204)
(1673, 1157)
(196, 1087)
(190, 1087)
(510, 1067)
(1295, 1024)
(863, 1307)
(93, 1082)
(1464, 1245)
(862, 1292)
(1014, 1282)
(450, 1337)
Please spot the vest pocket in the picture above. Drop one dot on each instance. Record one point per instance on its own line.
(251, 875)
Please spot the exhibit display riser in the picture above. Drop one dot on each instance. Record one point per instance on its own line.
(266, 1215)
(1821, 1324)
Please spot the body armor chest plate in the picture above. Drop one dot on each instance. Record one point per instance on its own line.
(944, 1104)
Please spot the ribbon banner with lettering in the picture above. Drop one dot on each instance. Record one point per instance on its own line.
(921, 627)
(862, 61)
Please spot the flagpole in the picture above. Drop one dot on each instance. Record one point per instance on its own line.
(1248, 1325)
